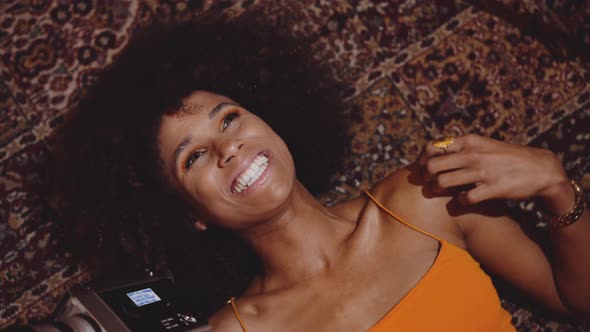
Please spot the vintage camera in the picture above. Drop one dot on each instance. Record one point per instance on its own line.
(145, 303)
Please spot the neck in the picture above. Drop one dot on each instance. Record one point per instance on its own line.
(305, 240)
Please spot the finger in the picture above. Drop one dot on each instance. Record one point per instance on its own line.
(480, 193)
(477, 142)
(457, 178)
(421, 156)
(445, 163)
(430, 150)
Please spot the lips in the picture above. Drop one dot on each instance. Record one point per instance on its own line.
(251, 174)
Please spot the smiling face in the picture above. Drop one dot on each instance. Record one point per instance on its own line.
(228, 162)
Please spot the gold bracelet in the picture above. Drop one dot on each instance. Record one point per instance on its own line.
(572, 215)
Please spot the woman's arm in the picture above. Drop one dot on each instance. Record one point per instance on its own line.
(571, 253)
(478, 169)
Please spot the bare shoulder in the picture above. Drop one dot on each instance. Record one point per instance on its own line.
(406, 194)
(398, 184)
(407, 181)
(491, 236)
(225, 320)
(253, 312)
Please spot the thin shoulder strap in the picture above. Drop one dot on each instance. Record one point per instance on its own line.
(398, 218)
(235, 309)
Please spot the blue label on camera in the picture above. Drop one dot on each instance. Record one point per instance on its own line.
(143, 297)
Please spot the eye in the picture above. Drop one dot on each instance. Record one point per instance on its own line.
(228, 118)
(192, 157)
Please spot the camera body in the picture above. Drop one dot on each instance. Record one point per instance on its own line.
(147, 303)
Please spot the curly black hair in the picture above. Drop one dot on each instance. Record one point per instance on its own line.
(115, 205)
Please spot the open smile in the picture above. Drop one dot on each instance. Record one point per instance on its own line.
(251, 174)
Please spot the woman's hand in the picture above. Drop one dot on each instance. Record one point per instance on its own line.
(478, 169)
(481, 168)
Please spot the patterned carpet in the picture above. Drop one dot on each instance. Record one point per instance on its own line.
(513, 70)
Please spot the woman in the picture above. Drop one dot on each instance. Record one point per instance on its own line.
(180, 125)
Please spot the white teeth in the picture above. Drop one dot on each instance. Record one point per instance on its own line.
(251, 174)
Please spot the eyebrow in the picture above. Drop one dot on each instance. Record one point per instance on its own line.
(218, 108)
(186, 141)
(179, 148)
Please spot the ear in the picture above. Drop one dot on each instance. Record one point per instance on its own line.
(200, 226)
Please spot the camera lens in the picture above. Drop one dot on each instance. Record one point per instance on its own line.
(81, 323)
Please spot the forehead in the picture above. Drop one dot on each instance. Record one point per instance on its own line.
(201, 102)
(195, 108)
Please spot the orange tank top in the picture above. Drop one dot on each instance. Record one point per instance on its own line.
(455, 294)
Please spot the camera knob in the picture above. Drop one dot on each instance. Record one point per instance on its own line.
(187, 318)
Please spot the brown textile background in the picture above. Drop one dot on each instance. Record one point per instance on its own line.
(513, 70)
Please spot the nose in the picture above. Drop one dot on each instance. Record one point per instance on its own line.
(228, 149)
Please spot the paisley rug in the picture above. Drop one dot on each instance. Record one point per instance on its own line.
(512, 70)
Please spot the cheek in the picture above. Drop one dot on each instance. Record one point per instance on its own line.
(207, 191)
(284, 153)
(279, 144)
(199, 187)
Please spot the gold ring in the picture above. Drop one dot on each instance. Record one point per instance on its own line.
(443, 143)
